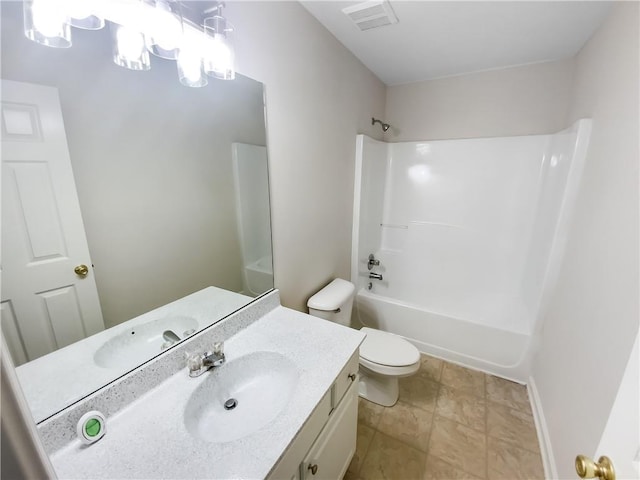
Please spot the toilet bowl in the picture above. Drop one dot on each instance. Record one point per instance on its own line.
(384, 357)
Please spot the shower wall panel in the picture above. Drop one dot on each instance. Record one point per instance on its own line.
(561, 173)
(456, 224)
(371, 171)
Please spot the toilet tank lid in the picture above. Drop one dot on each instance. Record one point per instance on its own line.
(333, 296)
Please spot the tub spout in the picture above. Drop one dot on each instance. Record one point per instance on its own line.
(377, 276)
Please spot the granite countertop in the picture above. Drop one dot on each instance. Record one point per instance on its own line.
(149, 439)
(50, 382)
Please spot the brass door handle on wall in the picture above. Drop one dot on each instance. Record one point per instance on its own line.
(81, 270)
(587, 468)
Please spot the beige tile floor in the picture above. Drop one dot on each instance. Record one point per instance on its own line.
(449, 423)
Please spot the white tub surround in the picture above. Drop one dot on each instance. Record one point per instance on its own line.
(148, 437)
(469, 235)
(252, 216)
(93, 362)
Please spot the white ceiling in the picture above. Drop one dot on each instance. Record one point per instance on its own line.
(437, 39)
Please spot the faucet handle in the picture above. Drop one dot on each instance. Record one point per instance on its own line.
(218, 348)
(195, 364)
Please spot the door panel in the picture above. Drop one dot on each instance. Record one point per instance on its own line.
(43, 236)
(621, 438)
(11, 333)
(64, 315)
(40, 220)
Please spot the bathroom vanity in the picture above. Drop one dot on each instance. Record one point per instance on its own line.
(325, 445)
(293, 382)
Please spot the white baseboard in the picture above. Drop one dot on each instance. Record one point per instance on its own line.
(548, 461)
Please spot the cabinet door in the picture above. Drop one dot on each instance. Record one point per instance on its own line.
(288, 468)
(332, 452)
(347, 376)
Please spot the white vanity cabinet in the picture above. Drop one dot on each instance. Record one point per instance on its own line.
(326, 443)
(332, 451)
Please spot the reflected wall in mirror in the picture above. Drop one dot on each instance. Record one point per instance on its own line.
(172, 188)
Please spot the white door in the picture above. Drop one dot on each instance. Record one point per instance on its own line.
(621, 438)
(46, 305)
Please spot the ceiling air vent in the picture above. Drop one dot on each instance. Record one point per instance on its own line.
(371, 14)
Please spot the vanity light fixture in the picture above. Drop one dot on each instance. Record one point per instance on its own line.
(140, 27)
(219, 54)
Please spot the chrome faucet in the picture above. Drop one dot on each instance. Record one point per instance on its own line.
(170, 336)
(377, 276)
(200, 363)
(372, 262)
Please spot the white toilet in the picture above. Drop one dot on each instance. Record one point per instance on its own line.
(384, 357)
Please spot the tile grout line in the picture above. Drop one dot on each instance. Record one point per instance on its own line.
(364, 455)
(433, 418)
(433, 421)
(474, 396)
(486, 429)
(508, 442)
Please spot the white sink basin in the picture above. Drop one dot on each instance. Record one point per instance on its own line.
(261, 383)
(138, 344)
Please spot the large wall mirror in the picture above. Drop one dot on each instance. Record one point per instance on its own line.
(169, 188)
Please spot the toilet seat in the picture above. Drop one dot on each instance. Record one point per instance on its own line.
(388, 354)
(390, 371)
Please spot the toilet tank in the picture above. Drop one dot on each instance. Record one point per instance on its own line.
(334, 302)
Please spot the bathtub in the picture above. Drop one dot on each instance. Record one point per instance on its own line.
(259, 276)
(493, 350)
(468, 237)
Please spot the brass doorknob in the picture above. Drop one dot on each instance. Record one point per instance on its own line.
(587, 468)
(81, 270)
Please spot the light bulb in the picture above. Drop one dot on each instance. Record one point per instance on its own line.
(218, 53)
(190, 67)
(48, 19)
(130, 43)
(219, 58)
(165, 31)
(129, 49)
(45, 22)
(189, 63)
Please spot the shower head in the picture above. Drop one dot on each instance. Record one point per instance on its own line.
(385, 126)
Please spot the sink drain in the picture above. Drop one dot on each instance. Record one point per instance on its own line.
(230, 404)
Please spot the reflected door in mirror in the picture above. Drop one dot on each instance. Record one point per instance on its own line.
(48, 300)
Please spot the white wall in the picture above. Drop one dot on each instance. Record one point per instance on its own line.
(526, 100)
(593, 317)
(319, 96)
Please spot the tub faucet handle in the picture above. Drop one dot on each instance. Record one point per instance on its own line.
(377, 276)
(372, 262)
